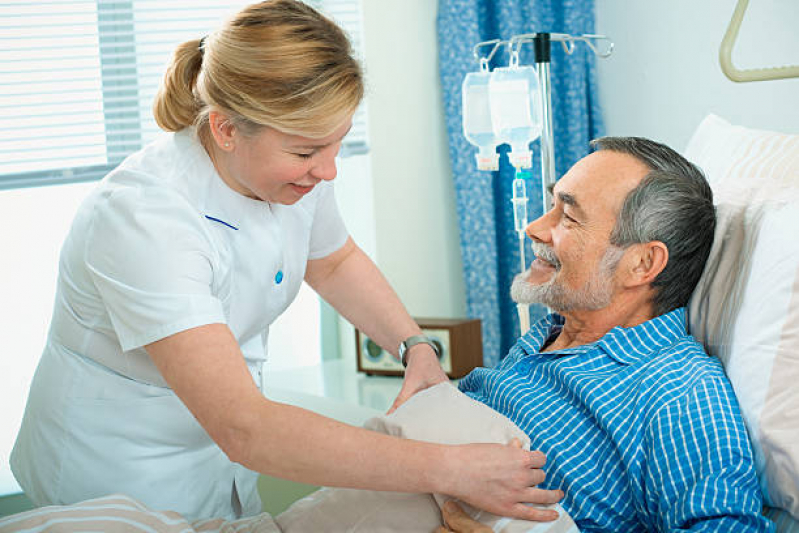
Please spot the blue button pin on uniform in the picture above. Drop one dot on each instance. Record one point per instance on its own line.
(279, 277)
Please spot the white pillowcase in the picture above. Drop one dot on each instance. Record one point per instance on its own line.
(745, 309)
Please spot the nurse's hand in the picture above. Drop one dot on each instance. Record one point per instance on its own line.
(502, 480)
(423, 372)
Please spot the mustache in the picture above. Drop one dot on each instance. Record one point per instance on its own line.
(542, 251)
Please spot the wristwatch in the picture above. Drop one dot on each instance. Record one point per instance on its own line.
(413, 341)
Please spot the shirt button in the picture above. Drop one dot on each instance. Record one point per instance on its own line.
(279, 277)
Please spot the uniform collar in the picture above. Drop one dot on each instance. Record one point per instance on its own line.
(624, 345)
(219, 202)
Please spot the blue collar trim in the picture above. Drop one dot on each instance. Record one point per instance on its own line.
(231, 226)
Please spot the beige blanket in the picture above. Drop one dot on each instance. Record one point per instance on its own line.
(439, 414)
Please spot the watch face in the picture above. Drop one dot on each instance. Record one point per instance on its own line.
(403, 348)
(439, 348)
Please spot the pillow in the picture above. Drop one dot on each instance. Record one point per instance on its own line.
(440, 414)
(745, 309)
(783, 521)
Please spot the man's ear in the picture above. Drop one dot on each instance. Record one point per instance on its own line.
(647, 260)
(222, 130)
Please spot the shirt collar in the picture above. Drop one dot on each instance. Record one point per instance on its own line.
(534, 340)
(625, 345)
(631, 345)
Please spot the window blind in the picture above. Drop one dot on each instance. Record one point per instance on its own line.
(348, 15)
(78, 78)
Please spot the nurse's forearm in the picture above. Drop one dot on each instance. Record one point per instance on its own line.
(300, 445)
(297, 444)
(205, 368)
(350, 282)
(306, 447)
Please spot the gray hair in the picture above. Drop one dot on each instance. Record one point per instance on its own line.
(673, 204)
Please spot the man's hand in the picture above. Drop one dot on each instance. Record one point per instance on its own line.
(457, 521)
(423, 372)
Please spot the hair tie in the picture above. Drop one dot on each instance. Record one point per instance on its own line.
(201, 46)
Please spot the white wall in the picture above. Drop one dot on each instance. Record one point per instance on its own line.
(664, 75)
(418, 245)
(403, 213)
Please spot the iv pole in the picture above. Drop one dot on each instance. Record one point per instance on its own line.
(543, 56)
(542, 47)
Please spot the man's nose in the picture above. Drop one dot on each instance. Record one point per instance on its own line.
(539, 229)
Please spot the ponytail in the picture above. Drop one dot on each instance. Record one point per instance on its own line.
(176, 106)
(277, 63)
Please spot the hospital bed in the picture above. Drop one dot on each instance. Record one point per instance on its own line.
(745, 309)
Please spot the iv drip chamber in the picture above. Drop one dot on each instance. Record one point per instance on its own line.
(516, 110)
(519, 201)
(477, 126)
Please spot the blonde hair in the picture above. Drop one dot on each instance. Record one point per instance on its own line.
(278, 63)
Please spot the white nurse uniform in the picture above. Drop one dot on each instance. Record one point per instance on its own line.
(161, 246)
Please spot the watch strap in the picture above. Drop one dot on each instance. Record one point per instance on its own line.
(413, 341)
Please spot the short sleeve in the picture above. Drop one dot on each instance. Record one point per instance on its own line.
(328, 232)
(151, 259)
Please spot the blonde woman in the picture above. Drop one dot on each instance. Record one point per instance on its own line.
(180, 260)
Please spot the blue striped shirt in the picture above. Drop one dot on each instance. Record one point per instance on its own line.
(641, 428)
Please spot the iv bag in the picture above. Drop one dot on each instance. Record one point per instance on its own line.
(516, 110)
(477, 127)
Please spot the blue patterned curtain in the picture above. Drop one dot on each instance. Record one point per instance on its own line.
(489, 243)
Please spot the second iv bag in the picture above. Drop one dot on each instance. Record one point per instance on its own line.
(516, 110)
(477, 126)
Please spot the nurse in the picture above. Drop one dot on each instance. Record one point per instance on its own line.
(176, 265)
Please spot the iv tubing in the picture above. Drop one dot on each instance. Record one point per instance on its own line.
(523, 309)
(520, 223)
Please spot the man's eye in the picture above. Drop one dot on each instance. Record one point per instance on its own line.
(304, 156)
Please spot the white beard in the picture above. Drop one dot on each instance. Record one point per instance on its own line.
(596, 293)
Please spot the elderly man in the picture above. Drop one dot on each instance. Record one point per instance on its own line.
(640, 427)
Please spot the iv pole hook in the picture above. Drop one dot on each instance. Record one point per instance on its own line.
(484, 61)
